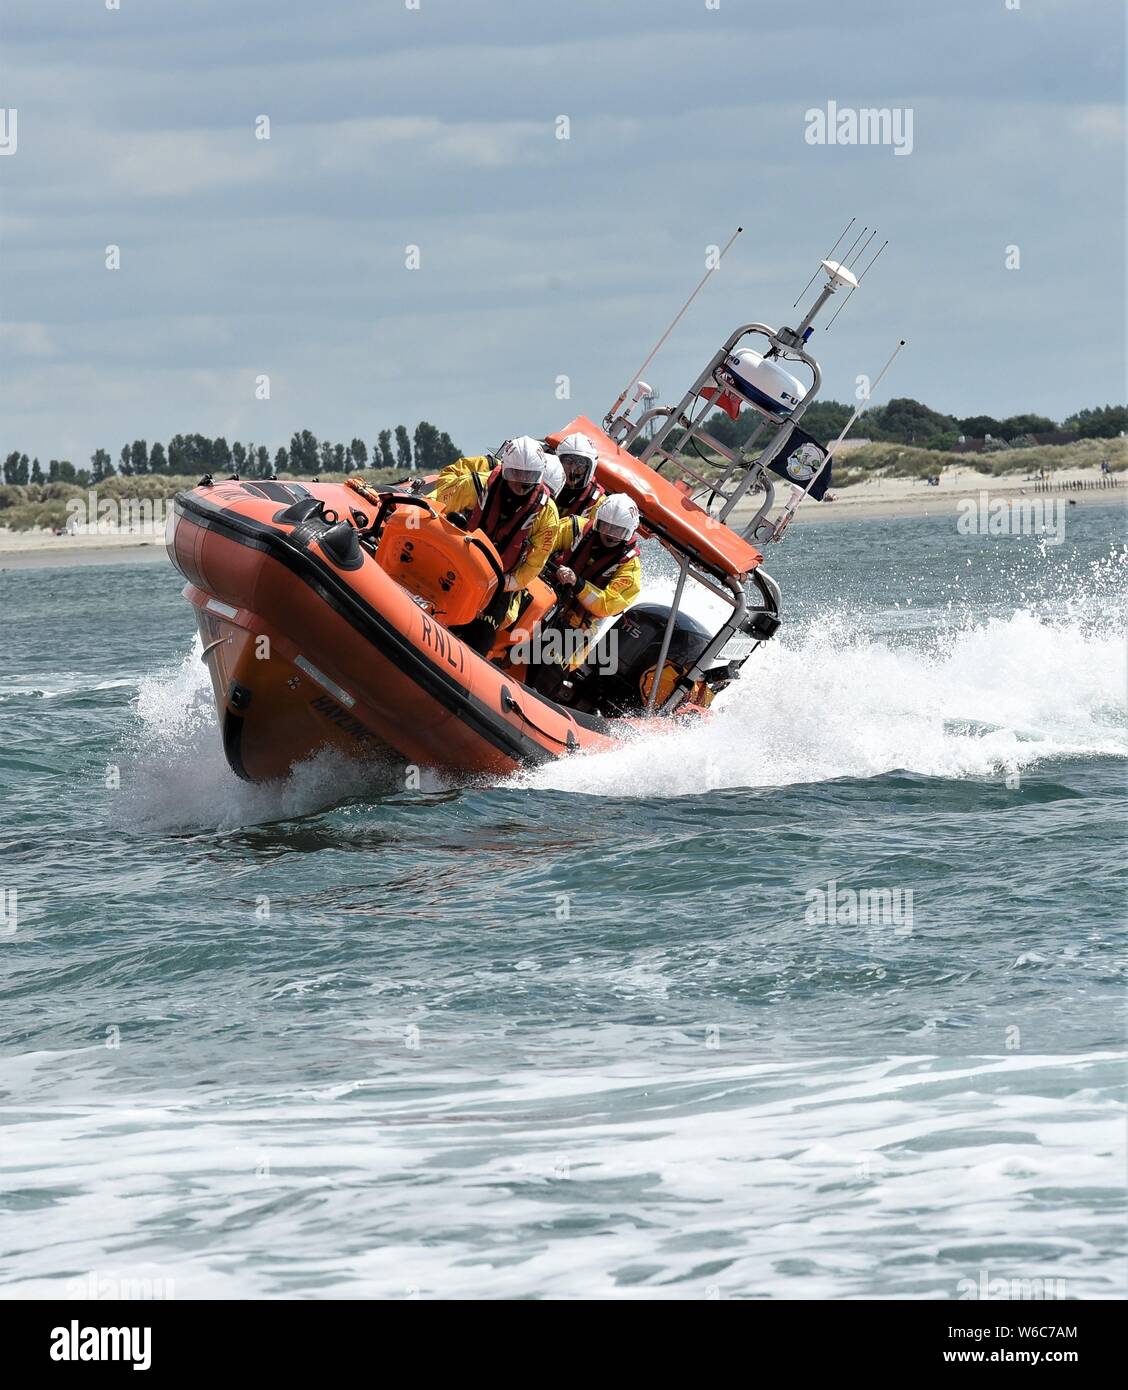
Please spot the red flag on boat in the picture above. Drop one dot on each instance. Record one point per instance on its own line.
(726, 401)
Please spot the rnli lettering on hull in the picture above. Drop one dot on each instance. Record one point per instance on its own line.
(443, 644)
(349, 723)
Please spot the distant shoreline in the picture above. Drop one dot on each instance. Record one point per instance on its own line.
(891, 499)
(40, 550)
(897, 498)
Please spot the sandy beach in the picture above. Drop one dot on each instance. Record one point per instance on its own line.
(897, 498)
(22, 550)
(877, 498)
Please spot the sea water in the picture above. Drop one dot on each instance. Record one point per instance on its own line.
(628, 1025)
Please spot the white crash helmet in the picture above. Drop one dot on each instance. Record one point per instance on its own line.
(522, 461)
(553, 475)
(617, 519)
(579, 456)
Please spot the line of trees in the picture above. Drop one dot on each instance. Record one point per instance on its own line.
(426, 450)
(905, 421)
(901, 421)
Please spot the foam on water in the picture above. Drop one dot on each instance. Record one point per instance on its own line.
(415, 1073)
(847, 695)
(175, 776)
(850, 1179)
(999, 695)
(58, 685)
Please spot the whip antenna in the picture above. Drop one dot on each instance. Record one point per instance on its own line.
(862, 249)
(783, 521)
(676, 320)
(862, 406)
(861, 277)
(827, 257)
(853, 244)
(877, 253)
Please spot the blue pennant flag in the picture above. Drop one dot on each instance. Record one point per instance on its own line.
(799, 459)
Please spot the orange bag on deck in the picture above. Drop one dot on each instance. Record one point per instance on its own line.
(449, 569)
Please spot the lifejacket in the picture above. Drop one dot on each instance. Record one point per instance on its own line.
(560, 556)
(583, 502)
(510, 534)
(596, 564)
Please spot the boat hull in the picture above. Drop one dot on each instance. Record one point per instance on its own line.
(306, 652)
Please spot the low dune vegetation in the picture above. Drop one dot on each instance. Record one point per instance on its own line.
(43, 506)
(904, 461)
(883, 460)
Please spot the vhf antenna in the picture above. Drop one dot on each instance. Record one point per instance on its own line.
(827, 257)
(861, 277)
(854, 253)
(676, 320)
(783, 521)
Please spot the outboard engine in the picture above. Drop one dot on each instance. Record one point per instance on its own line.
(617, 675)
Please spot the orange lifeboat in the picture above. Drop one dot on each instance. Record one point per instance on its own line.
(325, 612)
(315, 639)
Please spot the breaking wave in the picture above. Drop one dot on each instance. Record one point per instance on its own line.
(998, 696)
(175, 776)
(849, 695)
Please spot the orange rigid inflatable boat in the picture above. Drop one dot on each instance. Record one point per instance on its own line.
(325, 609)
(324, 612)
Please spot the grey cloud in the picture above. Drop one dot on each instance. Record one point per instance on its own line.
(539, 256)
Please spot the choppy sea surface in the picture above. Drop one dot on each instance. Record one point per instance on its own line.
(586, 1033)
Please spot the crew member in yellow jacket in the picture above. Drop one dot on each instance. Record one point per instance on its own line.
(578, 457)
(598, 571)
(508, 500)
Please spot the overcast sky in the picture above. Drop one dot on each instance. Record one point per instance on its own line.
(540, 257)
